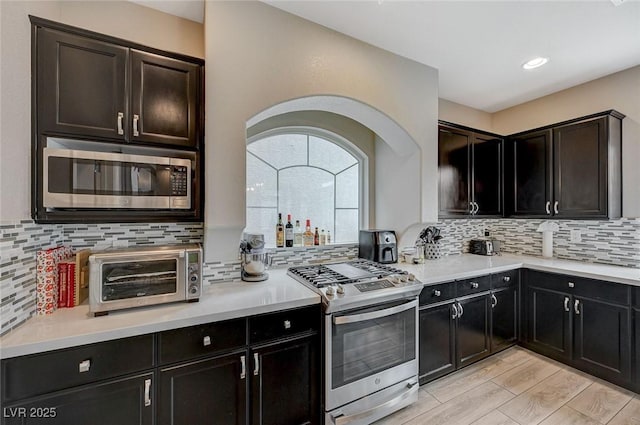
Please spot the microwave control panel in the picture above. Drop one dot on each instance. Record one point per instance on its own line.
(179, 180)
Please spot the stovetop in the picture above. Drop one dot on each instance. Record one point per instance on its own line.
(356, 283)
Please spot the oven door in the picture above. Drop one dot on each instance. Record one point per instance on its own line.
(370, 349)
(87, 179)
(136, 280)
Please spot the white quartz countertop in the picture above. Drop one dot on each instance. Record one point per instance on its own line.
(70, 327)
(469, 265)
(222, 301)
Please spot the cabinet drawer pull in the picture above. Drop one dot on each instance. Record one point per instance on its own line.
(576, 306)
(460, 311)
(147, 392)
(256, 364)
(474, 285)
(84, 366)
(136, 118)
(555, 207)
(243, 365)
(572, 285)
(547, 207)
(206, 341)
(566, 304)
(437, 293)
(120, 129)
(287, 324)
(494, 301)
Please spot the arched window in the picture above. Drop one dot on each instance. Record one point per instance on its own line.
(308, 173)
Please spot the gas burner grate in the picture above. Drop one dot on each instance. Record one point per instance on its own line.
(321, 275)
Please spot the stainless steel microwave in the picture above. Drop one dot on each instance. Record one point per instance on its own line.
(144, 276)
(91, 179)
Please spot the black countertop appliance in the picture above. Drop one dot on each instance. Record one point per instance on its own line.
(378, 245)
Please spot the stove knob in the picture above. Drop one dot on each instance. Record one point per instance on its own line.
(330, 291)
(340, 289)
(395, 280)
(412, 277)
(403, 278)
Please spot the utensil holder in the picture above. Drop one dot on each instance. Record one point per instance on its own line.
(432, 251)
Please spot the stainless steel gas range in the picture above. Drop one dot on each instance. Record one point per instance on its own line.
(370, 338)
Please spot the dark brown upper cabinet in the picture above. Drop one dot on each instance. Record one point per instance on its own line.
(91, 86)
(470, 172)
(567, 170)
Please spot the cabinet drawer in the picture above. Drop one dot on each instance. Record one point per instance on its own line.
(601, 290)
(436, 293)
(473, 285)
(505, 279)
(55, 370)
(282, 324)
(636, 298)
(195, 341)
(555, 282)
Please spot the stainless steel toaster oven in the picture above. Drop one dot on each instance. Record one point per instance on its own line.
(144, 276)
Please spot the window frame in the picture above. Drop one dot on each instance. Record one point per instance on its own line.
(332, 137)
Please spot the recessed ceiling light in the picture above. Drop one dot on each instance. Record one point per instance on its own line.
(534, 63)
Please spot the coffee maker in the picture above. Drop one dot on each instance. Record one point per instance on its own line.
(254, 258)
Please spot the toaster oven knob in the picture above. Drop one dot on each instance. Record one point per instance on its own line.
(194, 278)
(193, 289)
(340, 289)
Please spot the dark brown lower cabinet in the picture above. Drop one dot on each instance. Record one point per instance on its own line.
(284, 383)
(473, 329)
(549, 322)
(602, 338)
(437, 341)
(504, 318)
(636, 361)
(209, 391)
(124, 401)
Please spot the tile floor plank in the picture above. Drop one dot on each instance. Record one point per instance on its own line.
(601, 401)
(540, 401)
(466, 408)
(629, 415)
(524, 376)
(495, 418)
(567, 416)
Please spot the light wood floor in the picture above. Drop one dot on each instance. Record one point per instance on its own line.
(518, 387)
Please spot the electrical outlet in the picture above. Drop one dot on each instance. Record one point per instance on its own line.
(576, 236)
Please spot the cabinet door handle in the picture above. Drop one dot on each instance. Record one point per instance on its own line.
(136, 118)
(576, 306)
(471, 208)
(120, 118)
(547, 207)
(243, 365)
(256, 364)
(494, 301)
(566, 304)
(477, 208)
(461, 310)
(84, 366)
(555, 207)
(147, 392)
(454, 316)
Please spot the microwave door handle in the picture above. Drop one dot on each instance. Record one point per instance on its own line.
(342, 320)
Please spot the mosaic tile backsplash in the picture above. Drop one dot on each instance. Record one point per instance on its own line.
(615, 242)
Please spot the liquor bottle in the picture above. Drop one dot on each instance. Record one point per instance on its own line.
(288, 232)
(307, 236)
(279, 232)
(297, 234)
(323, 238)
(328, 237)
(316, 237)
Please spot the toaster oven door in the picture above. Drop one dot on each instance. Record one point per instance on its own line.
(135, 281)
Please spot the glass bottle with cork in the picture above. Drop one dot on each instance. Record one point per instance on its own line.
(279, 232)
(288, 233)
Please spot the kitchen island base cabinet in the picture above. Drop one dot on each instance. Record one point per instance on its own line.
(126, 401)
(205, 391)
(284, 383)
(437, 341)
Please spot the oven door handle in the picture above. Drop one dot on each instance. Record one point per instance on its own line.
(342, 320)
(344, 420)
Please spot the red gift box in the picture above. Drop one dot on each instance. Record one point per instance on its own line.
(47, 287)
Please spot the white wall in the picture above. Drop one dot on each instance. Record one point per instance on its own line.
(258, 57)
(116, 18)
(464, 115)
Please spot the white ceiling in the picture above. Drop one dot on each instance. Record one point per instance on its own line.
(479, 46)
